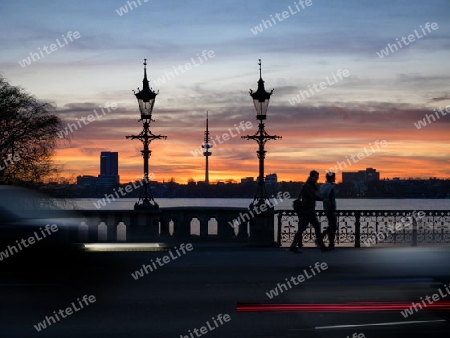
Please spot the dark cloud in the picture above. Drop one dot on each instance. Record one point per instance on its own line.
(446, 97)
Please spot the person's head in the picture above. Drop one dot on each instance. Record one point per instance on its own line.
(331, 177)
(314, 175)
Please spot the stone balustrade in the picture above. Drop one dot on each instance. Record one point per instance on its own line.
(358, 228)
(178, 223)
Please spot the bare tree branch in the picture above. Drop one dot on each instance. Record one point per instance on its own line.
(28, 136)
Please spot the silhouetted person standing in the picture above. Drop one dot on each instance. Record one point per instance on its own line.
(309, 195)
(329, 205)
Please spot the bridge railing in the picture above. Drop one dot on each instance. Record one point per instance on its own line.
(372, 227)
(358, 228)
(178, 223)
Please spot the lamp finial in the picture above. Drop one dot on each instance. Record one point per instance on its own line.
(259, 63)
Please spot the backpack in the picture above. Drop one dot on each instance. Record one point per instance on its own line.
(297, 203)
(297, 206)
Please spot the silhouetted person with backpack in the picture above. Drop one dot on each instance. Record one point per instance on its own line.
(309, 195)
(329, 205)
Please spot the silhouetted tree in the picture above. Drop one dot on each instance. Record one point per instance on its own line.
(27, 136)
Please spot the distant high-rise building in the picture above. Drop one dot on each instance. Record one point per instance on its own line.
(247, 180)
(271, 179)
(367, 175)
(109, 163)
(109, 167)
(372, 175)
(86, 180)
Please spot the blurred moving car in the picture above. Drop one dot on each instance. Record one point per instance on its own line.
(35, 232)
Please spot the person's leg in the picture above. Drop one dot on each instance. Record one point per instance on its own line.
(296, 239)
(327, 230)
(315, 223)
(302, 224)
(332, 225)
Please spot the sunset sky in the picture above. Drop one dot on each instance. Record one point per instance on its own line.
(381, 99)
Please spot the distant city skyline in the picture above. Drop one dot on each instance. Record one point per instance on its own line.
(109, 166)
(347, 75)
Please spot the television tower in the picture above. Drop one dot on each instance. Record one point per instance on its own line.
(207, 153)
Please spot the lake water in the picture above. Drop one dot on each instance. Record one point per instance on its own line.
(342, 204)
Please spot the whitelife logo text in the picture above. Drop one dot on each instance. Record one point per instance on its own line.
(64, 313)
(185, 248)
(318, 267)
(12, 249)
(411, 38)
(53, 47)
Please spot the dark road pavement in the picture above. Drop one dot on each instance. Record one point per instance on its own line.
(188, 291)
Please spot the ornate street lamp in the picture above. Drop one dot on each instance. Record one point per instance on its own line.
(146, 100)
(261, 102)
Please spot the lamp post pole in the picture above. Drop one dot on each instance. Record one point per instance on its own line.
(261, 137)
(261, 102)
(146, 99)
